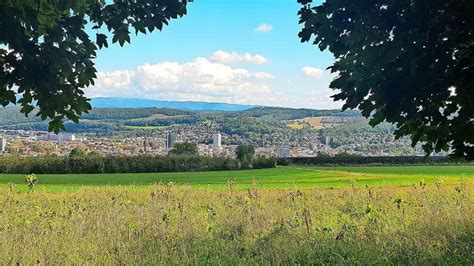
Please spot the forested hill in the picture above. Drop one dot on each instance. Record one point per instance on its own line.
(291, 113)
(12, 116)
(106, 121)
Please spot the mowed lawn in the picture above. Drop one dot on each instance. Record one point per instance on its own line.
(281, 177)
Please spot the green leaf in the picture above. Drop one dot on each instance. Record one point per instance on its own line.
(378, 118)
(101, 40)
(56, 125)
(27, 109)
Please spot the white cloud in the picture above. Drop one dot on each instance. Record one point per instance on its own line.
(264, 28)
(212, 80)
(312, 72)
(234, 57)
(117, 81)
(321, 99)
(198, 80)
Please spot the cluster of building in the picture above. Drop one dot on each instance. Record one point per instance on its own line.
(31, 143)
(209, 142)
(35, 143)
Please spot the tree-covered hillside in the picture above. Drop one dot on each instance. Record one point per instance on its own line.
(11, 117)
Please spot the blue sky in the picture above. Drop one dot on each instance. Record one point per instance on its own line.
(218, 53)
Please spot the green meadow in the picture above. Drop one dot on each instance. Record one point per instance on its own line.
(283, 177)
(380, 215)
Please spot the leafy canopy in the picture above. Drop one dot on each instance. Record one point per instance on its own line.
(184, 148)
(78, 152)
(47, 49)
(409, 62)
(245, 152)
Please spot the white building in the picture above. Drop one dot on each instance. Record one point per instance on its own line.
(217, 141)
(328, 140)
(60, 137)
(170, 140)
(3, 143)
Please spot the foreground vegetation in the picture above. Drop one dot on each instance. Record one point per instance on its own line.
(168, 224)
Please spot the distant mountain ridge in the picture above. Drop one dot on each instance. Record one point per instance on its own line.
(115, 102)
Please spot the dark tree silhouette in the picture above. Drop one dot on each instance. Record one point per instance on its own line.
(408, 62)
(46, 53)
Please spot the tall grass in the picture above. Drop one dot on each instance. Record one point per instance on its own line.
(167, 224)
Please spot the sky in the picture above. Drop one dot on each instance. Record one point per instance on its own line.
(243, 52)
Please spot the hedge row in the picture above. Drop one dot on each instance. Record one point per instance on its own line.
(125, 164)
(361, 160)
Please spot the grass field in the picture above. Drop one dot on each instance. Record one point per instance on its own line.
(282, 177)
(310, 122)
(180, 225)
(286, 215)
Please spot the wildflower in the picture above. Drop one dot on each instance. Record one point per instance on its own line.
(31, 181)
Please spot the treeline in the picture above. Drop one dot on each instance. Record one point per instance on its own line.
(363, 160)
(163, 121)
(125, 164)
(290, 113)
(360, 125)
(12, 115)
(131, 113)
(245, 126)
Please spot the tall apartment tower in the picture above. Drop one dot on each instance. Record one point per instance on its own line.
(170, 140)
(217, 141)
(328, 140)
(3, 143)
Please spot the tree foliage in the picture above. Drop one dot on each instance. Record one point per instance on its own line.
(245, 152)
(185, 148)
(77, 152)
(409, 62)
(47, 48)
(124, 164)
(350, 159)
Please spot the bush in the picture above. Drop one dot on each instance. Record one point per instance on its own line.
(124, 164)
(185, 148)
(262, 162)
(343, 159)
(245, 152)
